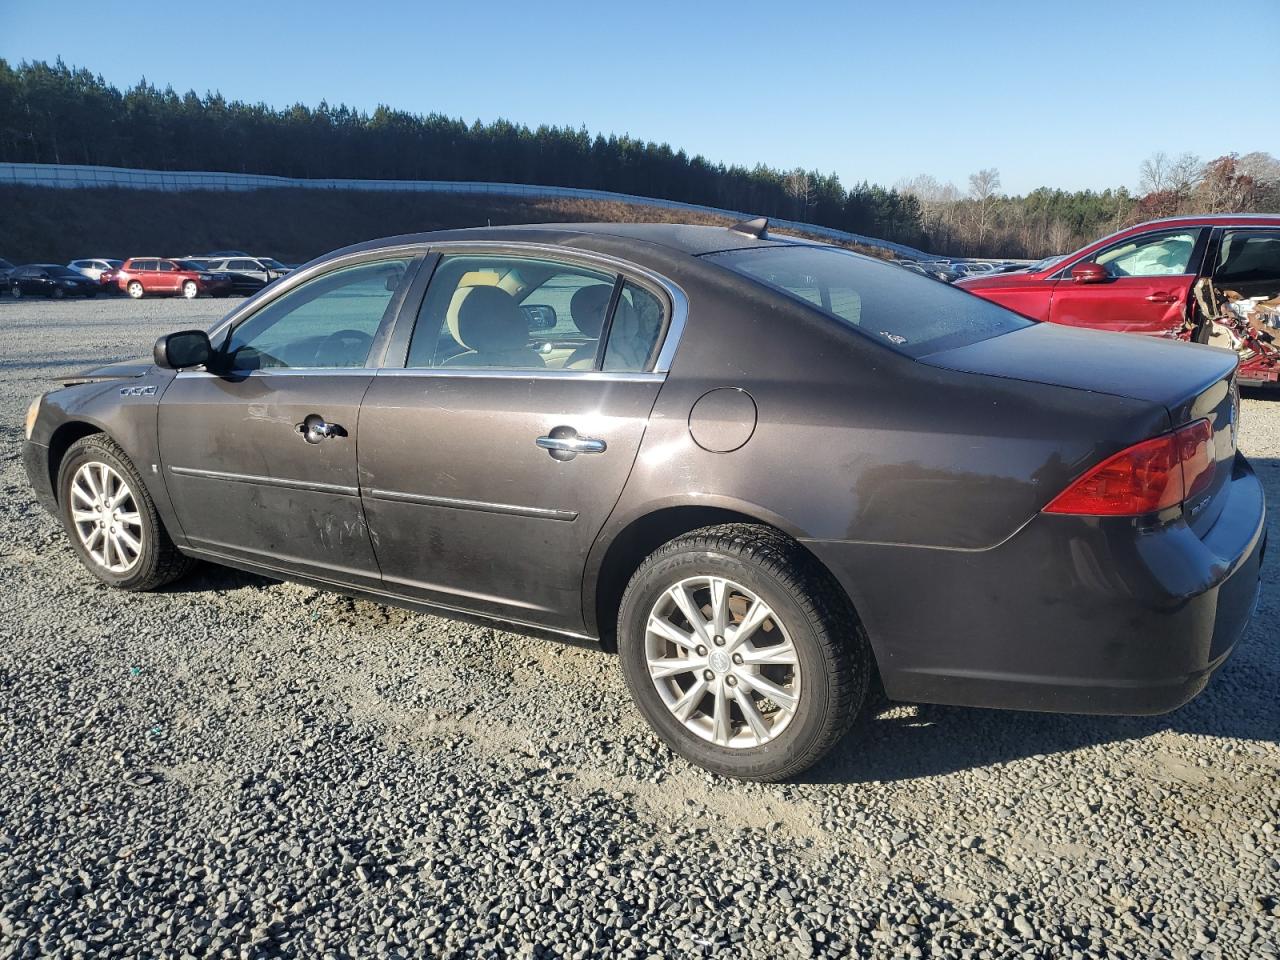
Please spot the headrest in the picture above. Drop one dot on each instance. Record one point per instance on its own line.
(487, 319)
(588, 307)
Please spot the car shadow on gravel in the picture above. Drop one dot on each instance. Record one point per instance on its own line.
(208, 577)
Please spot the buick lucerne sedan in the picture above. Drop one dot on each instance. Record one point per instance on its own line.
(766, 472)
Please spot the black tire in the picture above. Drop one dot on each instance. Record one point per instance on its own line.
(58, 293)
(832, 648)
(15, 291)
(159, 561)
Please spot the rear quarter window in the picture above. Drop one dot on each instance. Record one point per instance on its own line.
(906, 312)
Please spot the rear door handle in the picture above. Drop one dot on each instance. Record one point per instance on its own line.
(1162, 298)
(563, 443)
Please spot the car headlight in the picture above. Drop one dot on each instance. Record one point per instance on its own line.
(33, 411)
(205, 276)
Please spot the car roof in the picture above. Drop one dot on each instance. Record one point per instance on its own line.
(1212, 219)
(691, 239)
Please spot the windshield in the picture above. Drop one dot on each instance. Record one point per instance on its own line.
(272, 264)
(907, 312)
(61, 272)
(190, 264)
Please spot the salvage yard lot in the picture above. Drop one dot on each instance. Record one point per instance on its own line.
(241, 767)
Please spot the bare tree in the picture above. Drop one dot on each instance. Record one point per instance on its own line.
(983, 188)
(1059, 236)
(1185, 173)
(1154, 173)
(799, 186)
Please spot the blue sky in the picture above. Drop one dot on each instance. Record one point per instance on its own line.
(1071, 95)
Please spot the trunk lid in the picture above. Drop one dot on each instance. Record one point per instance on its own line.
(1189, 380)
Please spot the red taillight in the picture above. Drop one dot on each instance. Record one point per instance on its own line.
(1149, 476)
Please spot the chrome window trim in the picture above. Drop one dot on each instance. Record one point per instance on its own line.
(500, 373)
(237, 375)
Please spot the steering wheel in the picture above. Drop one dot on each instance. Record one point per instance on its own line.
(348, 342)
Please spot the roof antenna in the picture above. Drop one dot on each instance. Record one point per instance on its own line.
(757, 228)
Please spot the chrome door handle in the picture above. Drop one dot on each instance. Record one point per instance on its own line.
(314, 429)
(563, 443)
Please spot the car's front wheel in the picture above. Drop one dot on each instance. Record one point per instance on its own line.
(742, 652)
(111, 520)
(15, 291)
(134, 289)
(189, 290)
(58, 293)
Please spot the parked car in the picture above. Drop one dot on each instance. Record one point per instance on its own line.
(143, 276)
(763, 470)
(49, 280)
(1183, 278)
(249, 274)
(95, 268)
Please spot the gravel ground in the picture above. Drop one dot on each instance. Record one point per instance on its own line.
(242, 768)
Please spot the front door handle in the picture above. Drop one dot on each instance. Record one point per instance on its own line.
(314, 429)
(563, 443)
(1162, 298)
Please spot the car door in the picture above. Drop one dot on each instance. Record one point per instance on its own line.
(259, 451)
(167, 278)
(1146, 288)
(490, 459)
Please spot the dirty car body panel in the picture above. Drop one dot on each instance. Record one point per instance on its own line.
(916, 472)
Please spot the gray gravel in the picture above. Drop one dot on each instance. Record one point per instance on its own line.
(243, 768)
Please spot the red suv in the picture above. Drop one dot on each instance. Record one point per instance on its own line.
(141, 276)
(1212, 279)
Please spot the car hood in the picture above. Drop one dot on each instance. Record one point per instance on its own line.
(1010, 278)
(112, 371)
(1119, 364)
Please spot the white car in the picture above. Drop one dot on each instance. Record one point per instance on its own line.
(94, 269)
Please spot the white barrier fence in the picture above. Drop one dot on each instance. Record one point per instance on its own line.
(68, 175)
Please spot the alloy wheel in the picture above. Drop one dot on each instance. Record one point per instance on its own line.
(105, 514)
(722, 662)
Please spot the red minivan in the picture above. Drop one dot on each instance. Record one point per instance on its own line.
(141, 276)
(1213, 278)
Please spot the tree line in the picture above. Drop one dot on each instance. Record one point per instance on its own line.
(52, 113)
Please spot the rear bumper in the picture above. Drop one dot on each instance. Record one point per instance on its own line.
(1072, 614)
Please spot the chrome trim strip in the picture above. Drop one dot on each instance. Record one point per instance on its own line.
(482, 506)
(501, 374)
(281, 372)
(267, 481)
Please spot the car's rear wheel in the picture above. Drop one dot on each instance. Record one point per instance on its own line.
(58, 293)
(15, 291)
(189, 290)
(742, 652)
(111, 520)
(135, 290)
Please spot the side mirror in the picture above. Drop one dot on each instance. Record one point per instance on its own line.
(1090, 273)
(187, 348)
(539, 316)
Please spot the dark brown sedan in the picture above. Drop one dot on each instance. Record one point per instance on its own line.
(767, 471)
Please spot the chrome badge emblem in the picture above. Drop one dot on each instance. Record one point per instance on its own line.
(138, 391)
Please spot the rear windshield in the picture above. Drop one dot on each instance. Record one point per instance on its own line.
(907, 312)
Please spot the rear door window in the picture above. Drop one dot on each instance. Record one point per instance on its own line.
(1248, 257)
(901, 310)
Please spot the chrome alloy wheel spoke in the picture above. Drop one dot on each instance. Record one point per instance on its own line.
(722, 662)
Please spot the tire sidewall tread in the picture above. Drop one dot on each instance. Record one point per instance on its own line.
(835, 656)
(161, 562)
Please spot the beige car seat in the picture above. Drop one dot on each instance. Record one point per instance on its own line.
(587, 309)
(488, 322)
